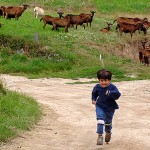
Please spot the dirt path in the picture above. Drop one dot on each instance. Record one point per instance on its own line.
(69, 123)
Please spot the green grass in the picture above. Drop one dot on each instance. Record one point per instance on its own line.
(104, 6)
(17, 113)
(68, 55)
(53, 4)
(129, 6)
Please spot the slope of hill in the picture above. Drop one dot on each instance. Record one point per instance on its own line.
(76, 53)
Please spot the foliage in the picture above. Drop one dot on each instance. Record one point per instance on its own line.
(68, 55)
(17, 113)
(130, 6)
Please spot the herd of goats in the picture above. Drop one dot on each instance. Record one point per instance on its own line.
(124, 24)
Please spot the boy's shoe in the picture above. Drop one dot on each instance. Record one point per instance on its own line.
(107, 137)
(100, 140)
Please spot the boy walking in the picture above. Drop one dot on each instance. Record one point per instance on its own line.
(104, 96)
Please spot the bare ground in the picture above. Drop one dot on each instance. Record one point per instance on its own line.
(68, 121)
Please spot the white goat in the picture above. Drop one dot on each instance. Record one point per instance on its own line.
(38, 11)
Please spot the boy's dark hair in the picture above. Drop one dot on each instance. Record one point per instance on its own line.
(104, 74)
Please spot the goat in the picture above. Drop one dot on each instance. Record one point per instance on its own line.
(48, 19)
(80, 19)
(88, 18)
(130, 20)
(146, 26)
(14, 11)
(143, 43)
(2, 11)
(76, 20)
(134, 21)
(144, 54)
(129, 28)
(146, 60)
(38, 11)
(141, 57)
(107, 29)
(64, 23)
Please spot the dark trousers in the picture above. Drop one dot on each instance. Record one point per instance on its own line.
(104, 118)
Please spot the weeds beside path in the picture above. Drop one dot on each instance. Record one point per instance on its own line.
(68, 120)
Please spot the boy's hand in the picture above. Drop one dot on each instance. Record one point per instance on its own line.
(94, 102)
(107, 92)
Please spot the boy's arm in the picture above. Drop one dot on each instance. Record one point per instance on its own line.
(94, 95)
(114, 93)
(94, 102)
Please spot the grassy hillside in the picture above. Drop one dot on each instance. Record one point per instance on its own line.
(130, 6)
(17, 113)
(76, 53)
(104, 6)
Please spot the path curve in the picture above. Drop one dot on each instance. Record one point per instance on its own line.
(68, 121)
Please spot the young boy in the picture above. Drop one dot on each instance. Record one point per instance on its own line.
(104, 96)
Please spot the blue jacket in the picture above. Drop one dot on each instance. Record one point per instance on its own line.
(107, 102)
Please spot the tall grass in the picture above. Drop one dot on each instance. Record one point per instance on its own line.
(64, 5)
(17, 113)
(104, 6)
(129, 6)
(70, 55)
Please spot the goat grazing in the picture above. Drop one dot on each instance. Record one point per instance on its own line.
(129, 28)
(15, 11)
(88, 18)
(146, 26)
(133, 21)
(64, 23)
(77, 20)
(48, 19)
(130, 20)
(38, 11)
(2, 11)
(107, 29)
(144, 54)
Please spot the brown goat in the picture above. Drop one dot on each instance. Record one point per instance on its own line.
(64, 23)
(107, 29)
(141, 57)
(144, 54)
(15, 11)
(88, 18)
(77, 20)
(48, 19)
(134, 21)
(129, 28)
(2, 11)
(130, 20)
(146, 26)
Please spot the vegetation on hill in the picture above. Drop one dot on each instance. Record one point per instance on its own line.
(27, 49)
(76, 53)
(17, 113)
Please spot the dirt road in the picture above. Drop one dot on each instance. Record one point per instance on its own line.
(68, 121)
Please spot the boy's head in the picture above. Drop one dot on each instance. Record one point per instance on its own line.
(104, 74)
(104, 77)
